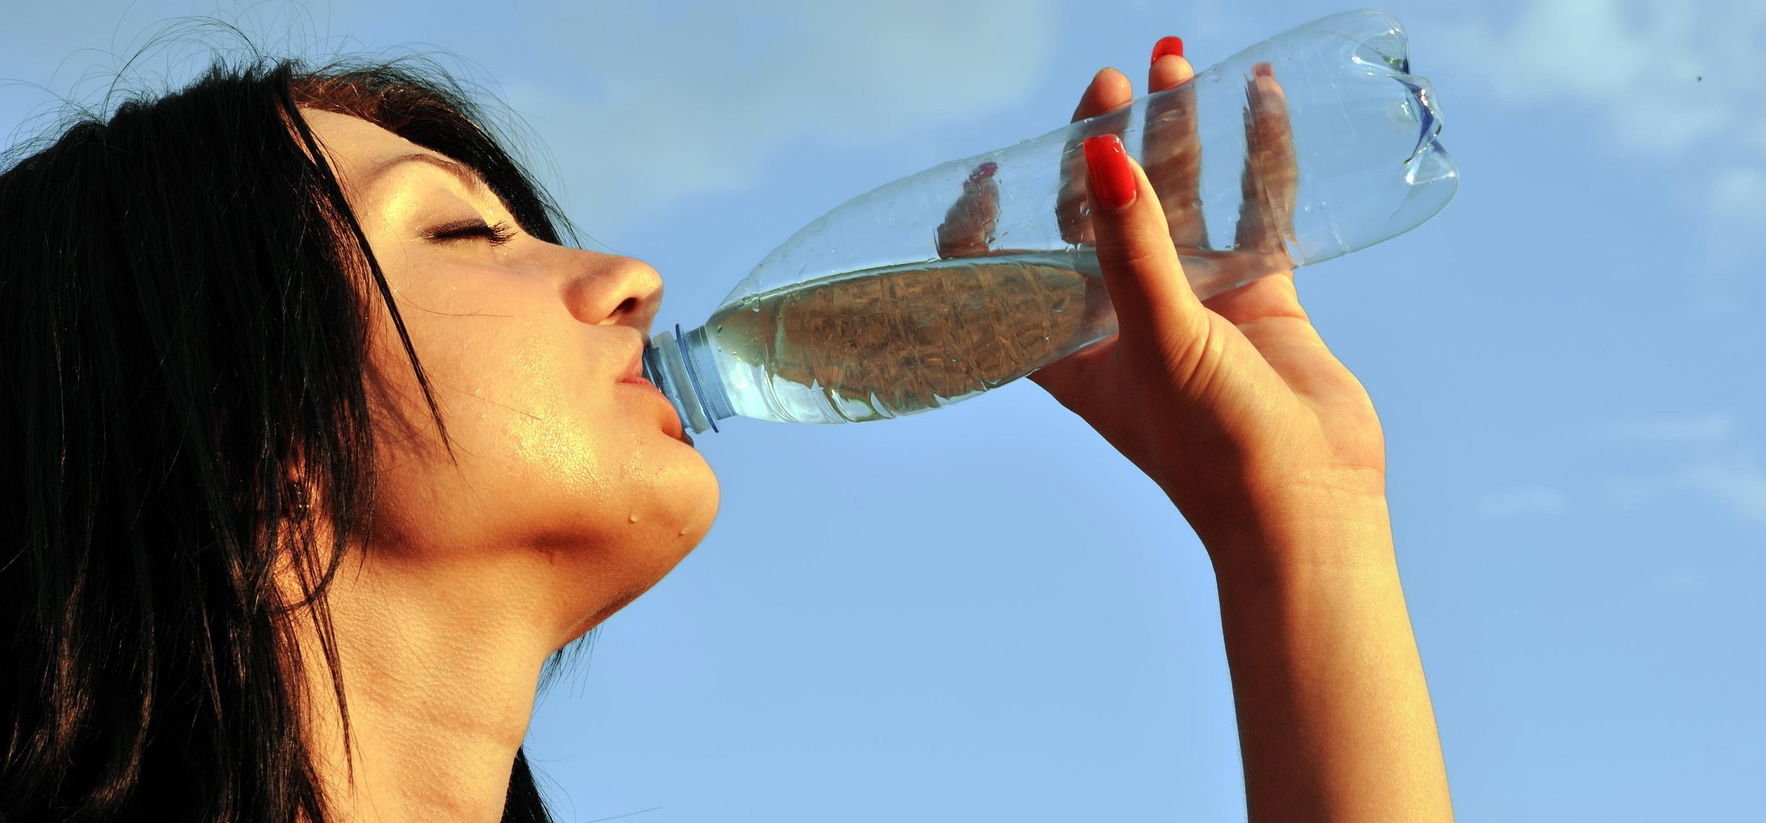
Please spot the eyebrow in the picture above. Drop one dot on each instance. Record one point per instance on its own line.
(466, 176)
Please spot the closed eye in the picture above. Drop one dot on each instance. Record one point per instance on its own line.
(495, 233)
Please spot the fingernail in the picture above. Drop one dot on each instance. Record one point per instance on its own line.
(1263, 70)
(1109, 179)
(1167, 45)
(983, 171)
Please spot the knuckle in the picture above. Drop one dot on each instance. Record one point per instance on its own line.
(1127, 252)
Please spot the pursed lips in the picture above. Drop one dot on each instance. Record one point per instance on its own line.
(634, 373)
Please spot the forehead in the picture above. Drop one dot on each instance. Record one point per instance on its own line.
(352, 141)
(362, 152)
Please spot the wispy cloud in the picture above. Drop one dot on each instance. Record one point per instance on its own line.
(1667, 73)
(1737, 484)
(652, 111)
(1708, 456)
(1673, 80)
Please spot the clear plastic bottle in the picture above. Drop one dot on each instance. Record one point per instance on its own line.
(942, 285)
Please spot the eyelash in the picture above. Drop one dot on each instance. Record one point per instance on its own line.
(497, 234)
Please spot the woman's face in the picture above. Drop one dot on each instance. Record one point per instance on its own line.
(570, 481)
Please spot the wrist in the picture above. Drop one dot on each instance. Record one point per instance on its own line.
(1298, 530)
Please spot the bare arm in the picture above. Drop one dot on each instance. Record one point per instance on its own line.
(1334, 716)
(1272, 451)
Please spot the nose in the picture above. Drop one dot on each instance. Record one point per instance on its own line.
(605, 289)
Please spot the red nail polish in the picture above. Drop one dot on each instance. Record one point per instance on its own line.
(1263, 70)
(983, 171)
(1110, 180)
(1167, 45)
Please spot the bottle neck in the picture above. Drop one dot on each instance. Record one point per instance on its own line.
(681, 366)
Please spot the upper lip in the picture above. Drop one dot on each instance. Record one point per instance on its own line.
(636, 368)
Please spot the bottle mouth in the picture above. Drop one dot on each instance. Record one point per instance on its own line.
(1429, 175)
(1428, 115)
(1429, 172)
(1404, 176)
(676, 375)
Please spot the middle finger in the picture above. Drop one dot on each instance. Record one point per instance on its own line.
(1171, 147)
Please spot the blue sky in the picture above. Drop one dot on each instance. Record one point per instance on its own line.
(984, 613)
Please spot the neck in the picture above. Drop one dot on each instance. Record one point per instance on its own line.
(439, 686)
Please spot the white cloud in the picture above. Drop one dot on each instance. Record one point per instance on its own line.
(1738, 484)
(1676, 80)
(1708, 457)
(1735, 483)
(656, 111)
(1666, 72)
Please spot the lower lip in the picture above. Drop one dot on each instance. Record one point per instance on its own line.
(639, 381)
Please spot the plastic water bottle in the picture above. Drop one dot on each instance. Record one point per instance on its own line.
(969, 275)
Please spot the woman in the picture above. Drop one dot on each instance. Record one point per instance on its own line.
(324, 445)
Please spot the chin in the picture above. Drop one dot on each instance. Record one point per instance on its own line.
(634, 552)
(615, 579)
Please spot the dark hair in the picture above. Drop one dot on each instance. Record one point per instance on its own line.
(183, 308)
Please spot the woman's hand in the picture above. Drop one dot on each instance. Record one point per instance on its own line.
(1234, 406)
(1271, 449)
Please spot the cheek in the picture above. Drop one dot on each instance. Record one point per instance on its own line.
(545, 449)
(536, 443)
(569, 452)
(497, 363)
(633, 499)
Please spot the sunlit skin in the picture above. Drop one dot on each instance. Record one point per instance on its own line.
(1267, 444)
(1272, 450)
(569, 492)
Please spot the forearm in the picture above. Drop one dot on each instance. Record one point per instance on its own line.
(1335, 721)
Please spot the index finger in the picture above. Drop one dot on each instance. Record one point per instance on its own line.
(1142, 273)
